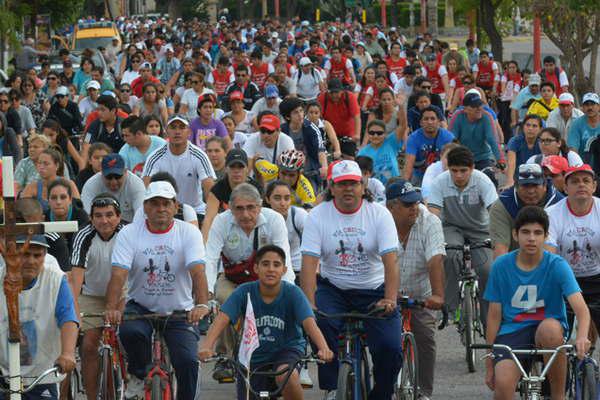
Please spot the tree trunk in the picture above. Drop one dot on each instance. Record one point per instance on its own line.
(240, 9)
(394, 19)
(594, 55)
(432, 17)
(423, 16)
(488, 23)
(449, 15)
(173, 8)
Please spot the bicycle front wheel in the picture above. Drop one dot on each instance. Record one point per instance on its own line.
(408, 378)
(156, 388)
(589, 382)
(468, 316)
(106, 388)
(346, 382)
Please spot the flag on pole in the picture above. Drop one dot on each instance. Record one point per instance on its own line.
(249, 336)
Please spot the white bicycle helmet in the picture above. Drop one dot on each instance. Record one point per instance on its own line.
(291, 160)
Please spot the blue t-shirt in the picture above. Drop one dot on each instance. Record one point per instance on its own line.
(134, 160)
(529, 297)
(279, 323)
(477, 136)
(426, 150)
(580, 134)
(518, 144)
(385, 163)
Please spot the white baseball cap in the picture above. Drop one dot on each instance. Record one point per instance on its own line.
(346, 170)
(274, 35)
(535, 79)
(178, 118)
(566, 98)
(93, 85)
(62, 91)
(304, 61)
(160, 189)
(473, 91)
(593, 97)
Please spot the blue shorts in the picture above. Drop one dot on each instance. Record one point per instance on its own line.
(287, 357)
(523, 339)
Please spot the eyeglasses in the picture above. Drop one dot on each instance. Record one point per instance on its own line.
(113, 177)
(426, 87)
(376, 133)
(266, 131)
(125, 90)
(106, 201)
(195, 82)
(547, 141)
(249, 208)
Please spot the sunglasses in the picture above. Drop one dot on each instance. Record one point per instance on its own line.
(376, 133)
(529, 175)
(195, 82)
(241, 75)
(426, 87)
(58, 96)
(113, 177)
(106, 201)
(125, 90)
(468, 82)
(266, 131)
(52, 78)
(547, 141)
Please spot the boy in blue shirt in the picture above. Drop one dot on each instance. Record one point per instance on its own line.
(526, 290)
(281, 311)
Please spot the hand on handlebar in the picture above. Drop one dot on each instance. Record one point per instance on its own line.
(113, 317)
(388, 305)
(325, 354)
(434, 302)
(65, 363)
(582, 345)
(196, 314)
(204, 354)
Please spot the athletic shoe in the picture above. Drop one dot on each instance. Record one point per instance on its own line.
(135, 388)
(329, 395)
(305, 379)
(222, 372)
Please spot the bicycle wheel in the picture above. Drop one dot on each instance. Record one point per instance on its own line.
(468, 332)
(589, 382)
(407, 384)
(156, 388)
(73, 385)
(106, 384)
(345, 383)
(365, 379)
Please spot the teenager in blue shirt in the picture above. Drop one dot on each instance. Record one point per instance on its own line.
(526, 291)
(281, 311)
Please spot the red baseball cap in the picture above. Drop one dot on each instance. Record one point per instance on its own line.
(270, 122)
(346, 170)
(330, 169)
(237, 95)
(555, 164)
(582, 168)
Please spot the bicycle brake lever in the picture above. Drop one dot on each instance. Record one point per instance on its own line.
(444, 322)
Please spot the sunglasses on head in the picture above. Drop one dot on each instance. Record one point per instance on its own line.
(106, 201)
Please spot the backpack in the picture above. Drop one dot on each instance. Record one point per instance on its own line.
(312, 72)
(346, 100)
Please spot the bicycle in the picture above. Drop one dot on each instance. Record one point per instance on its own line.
(111, 381)
(28, 388)
(582, 387)
(354, 375)
(243, 373)
(407, 384)
(467, 316)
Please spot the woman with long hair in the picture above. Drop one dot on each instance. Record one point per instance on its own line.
(58, 136)
(392, 116)
(151, 103)
(552, 144)
(35, 100)
(62, 207)
(51, 86)
(96, 153)
(364, 90)
(153, 126)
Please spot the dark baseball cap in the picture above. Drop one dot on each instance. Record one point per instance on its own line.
(530, 174)
(113, 164)
(37, 240)
(472, 100)
(347, 146)
(403, 190)
(335, 85)
(236, 156)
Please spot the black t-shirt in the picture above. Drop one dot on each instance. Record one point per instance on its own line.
(83, 177)
(59, 249)
(97, 133)
(222, 191)
(77, 214)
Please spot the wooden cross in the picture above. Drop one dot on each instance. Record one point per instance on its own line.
(13, 283)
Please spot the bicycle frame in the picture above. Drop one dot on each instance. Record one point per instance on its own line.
(110, 343)
(160, 364)
(350, 351)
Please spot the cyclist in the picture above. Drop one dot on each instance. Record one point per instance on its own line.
(461, 197)
(90, 274)
(573, 226)
(163, 263)
(526, 292)
(48, 337)
(356, 244)
(421, 255)
(289, 169)
(281, 311)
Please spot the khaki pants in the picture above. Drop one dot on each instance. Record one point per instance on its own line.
(223, 289)
(91, 305)
(423, 322)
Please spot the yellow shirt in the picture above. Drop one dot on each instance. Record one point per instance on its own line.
(538, 109)
(303, 192)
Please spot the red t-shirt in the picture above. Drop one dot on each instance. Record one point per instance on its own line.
(341, 114)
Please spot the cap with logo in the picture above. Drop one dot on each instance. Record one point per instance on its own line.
(160, 189)
(146, 65)
(270, 122)
(346, 170)
(566, 98)
(472, 100)
(36, 240)
(236, 156)
(271, 91)
(582, 168)
(403, 190)
(236, 95)
(179, 118)
(93, 85)
(113, 164)
(535, 79)
(530, 174)
(555, 164)
(590, 97)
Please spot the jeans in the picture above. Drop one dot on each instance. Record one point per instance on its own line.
(383, 338)
(40, 392)
(181, 339)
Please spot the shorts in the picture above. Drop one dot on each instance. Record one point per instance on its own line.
(91, 305)
(288, 357)
(523, 339)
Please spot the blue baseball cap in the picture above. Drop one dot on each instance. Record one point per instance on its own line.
(37, 240)
(113, 164)
(403, 190)
(271, 91)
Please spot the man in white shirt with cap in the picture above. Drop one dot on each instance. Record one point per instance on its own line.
(563, 116)
(309, 81)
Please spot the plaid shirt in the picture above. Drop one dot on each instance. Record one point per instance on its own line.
(426, 239)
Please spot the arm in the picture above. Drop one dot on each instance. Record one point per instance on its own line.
(114, 291)
(409, 162)
(357, 126)
(207, 184)
(77, 274)
(308, 277)
(391, 277)
(212, 208)
(582, 313)
(200, 292)
(68, 339)
(76, 156)
(323, 163)
(436, 279)
(511, 165)
(316, 336)
(164, 114)
(217, 327)
(435, 210)
(333, 139)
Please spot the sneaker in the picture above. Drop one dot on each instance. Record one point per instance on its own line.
(222, 372)
(305, 380)
(422, 397)
(135, 388)
(330, 395)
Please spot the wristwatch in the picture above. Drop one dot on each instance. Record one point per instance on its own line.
(202, 305)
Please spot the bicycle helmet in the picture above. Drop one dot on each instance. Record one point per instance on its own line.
(291, 160)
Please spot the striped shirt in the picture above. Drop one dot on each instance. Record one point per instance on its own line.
(189, 169)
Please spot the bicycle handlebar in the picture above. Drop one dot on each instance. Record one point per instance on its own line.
(407, 302)
(372, 314)
(54, 370)
(472, 246)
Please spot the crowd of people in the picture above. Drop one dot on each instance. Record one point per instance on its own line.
(305, 167)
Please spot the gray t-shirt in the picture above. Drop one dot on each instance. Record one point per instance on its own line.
(130, 197)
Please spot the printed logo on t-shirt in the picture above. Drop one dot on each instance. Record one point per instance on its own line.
(525, 298)
(159, 275)
(267, 324)
(352, 258)
(580, 254)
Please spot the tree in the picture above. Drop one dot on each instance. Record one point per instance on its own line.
(576, 32)
(432, 17)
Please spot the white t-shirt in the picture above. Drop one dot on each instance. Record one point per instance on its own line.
(159, 264)
(189, 169)
(401, 87)
(307, 87)
(190, 99)
(350, 246)
(431, 173)
(256, 147)
(576, 237)
(377, 189)
(189, 214)
(239, 139)
(129, 76)
(295, 229)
